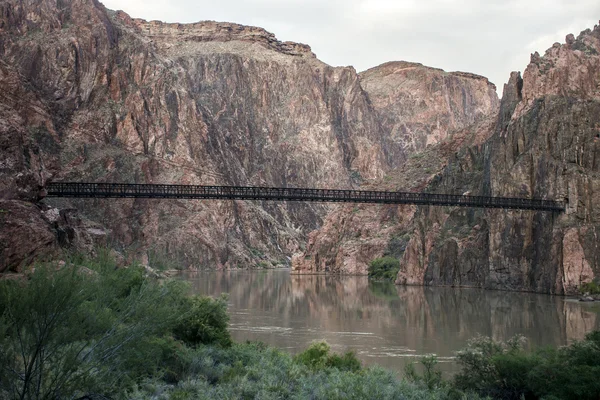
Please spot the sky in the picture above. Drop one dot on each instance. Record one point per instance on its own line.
(485, 37)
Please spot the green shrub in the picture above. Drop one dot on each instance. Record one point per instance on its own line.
(570, 372)
(479, 369)
(593, 337)
(256, 371)
(385, 268)
(590, 287)
(345, 362)
(431, 378)
(71, 330)
(204, 321)
(372, 383)
(317, 357)
(507, 371)
(91, 329)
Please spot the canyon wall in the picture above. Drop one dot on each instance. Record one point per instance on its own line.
(543, 143)
(90, 94)
(419, 106)
(94, 95)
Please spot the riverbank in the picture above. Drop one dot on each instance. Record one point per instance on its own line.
(385, 324)
(89, 329)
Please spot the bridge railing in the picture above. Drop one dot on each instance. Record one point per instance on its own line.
(81, 189)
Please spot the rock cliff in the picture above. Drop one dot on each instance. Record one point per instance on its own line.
(419, 106)
(90, 94)
(94, 95)
(543, 143)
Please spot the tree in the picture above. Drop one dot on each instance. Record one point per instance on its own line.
(66, 332)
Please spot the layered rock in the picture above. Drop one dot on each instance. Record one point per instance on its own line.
(549, 150)
(169, 35)
(88, 94)
(543, 144)
(353, 235)
(98, 96)
(429, 115)
(420, 106)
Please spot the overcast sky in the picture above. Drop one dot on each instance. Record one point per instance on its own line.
(486, 37)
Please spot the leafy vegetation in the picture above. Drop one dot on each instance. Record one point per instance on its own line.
(505, 370)
(88, 329)
(592, 288)
(204, 322)
(431, 377)
(77, 329)
(384, 268)
(318, 356)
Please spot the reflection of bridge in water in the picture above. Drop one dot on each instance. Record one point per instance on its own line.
(157, 191)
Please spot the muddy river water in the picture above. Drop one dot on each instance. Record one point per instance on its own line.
(386, 324)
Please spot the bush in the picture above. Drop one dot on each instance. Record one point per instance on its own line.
(431, 378)
(385, 268)
(486, 366)
(317, 357)
(69, 331)
(87, 328)
(590, 287)
(372, 383)
(569, 372)
(345, 362)
(204, 322)
(507, 371)
(256, 371)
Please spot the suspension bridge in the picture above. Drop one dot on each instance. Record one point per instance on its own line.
(159, 191)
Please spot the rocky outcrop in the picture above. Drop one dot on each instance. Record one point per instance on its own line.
(420, 106)
(24, 235)
(95, 95)
(543, 144)
(167, 36)
(549, 150)
(90, 94)
(353, 235)
(429, 116)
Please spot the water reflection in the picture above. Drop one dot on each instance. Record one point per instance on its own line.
(386, 324)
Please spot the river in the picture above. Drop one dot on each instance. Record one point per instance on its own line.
(386, 324)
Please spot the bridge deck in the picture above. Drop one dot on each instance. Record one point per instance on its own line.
(155, 191)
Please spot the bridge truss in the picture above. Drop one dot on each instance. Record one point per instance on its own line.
(158, 191)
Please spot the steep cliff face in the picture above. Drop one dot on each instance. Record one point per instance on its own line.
(93, 95)
(430, 116)
(89, 94)
(354, 235)
(544, 144)
(550, 148)
(419, 106)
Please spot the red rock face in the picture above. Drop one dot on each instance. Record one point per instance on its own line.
(88, 94)
(420, 106)
(430, 116)
(543, 143)
(354, 235)
(24, 235)
(93, 95)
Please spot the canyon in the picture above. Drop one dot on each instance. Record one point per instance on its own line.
(542, 143)
(91, 94)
